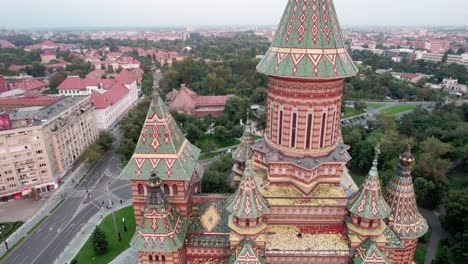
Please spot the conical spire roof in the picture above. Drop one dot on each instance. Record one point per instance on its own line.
(308, 43)
(247, 202)
(407, 222)
(244, 151)
(246, 254)
(162, 146)
(162, 229)
(368, 201)
(369, 253)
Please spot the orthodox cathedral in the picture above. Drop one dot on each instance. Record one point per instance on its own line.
(295, 200)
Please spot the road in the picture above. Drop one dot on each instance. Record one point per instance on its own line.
(46, 243)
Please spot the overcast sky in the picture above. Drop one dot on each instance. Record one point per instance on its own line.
(151, 13)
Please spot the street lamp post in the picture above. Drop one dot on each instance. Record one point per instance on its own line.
(124, 225)
(113, 216)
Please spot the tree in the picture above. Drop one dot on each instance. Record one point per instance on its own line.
(56, 80)
(100, 243)
(216, 178)
(193, 132)
(424, 189)
(208, 146)
(93, 154)
(221, 133)
(105, 140)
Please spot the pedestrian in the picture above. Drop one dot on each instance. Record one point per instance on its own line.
(121, 201)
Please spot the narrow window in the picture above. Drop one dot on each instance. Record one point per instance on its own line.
(247, 223)
(280, 130)
(293, 130)
(166, 189)
(174, 190)
(141, 189)
(163, 258)
(359, 221)
(157, 258)
(271, 123)
(150, 258)
(332, 140)
(322, 134)
(309, 131)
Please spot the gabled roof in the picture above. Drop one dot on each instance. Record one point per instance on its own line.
(246, 253)
(211, 100)
(308, 44)
(368, 201)
(161, 229)
(247, 201)
(369, 253)
(406, 220)
(125, 77)
(244, 152)
(109, 97)
(29, 84)
(162, 146)
(76, 83)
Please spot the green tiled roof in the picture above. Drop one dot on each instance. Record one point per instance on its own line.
(308, 43)
(247, 201)
(369, 253)
(368, 201)
(407, 222)
(392, 240)
(162, 146)
(161, 229)
(244, 151)
(246, 253)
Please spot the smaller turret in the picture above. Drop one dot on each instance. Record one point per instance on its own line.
(243, 153)
(247, 207)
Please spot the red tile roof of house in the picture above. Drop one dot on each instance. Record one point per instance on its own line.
(205, 101)
(6, 44)
(14, 67)
(29, 84)
(408, 75)
(109, 97)
(76, 83)
(47, 53)
(125, 77)
(96, 74)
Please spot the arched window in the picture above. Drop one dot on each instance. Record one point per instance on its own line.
(166, 189)
(157, 258)
(247, 223)
(141, 189)
(163, 258)
(271, 123)
(309, 131)
(280, 130)
(359, 221)
(150, 257)
(322, 133)
(293, 130)
(332, 140)
(174, 190)
(371, 222)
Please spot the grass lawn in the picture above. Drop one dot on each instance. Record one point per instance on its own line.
(375, 105)
(421, 248)
(208, 156)
(457, 178)
(349, 112)
(219, 144)
(358, 177)
(8, 229)
(115, 247)
(398, 109)
(255, 137)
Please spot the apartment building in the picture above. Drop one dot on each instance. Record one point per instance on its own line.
(39, 144)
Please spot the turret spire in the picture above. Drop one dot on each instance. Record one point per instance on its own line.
(308, 43)
(407, 222)
(368, 202)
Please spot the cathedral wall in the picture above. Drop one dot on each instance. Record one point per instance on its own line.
(303, 116)
(404, 256)
(307, 215)
(306, 259)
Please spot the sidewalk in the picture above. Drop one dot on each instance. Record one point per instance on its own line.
(80, 239)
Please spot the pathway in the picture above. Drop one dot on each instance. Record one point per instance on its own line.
(438, 233)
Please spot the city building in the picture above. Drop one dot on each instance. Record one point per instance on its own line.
(296, 202)
(187, 101)
(112, 98)
(6, 44)
(453, 86)
(437, 45)
(47, 57)
(23, 82)
(39, 144)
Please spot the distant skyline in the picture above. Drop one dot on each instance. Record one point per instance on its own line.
(162, 13)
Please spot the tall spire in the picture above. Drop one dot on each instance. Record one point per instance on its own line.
(308, 43)
(247, 202)
(368, 201)
(162, 229)
(406, 220)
